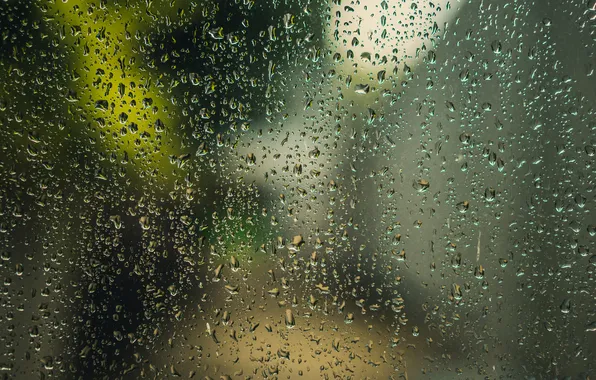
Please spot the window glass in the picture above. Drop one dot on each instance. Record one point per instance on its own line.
(286, 189)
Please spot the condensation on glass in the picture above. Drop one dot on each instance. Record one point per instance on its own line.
(286, 189)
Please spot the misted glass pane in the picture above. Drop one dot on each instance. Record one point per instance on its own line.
(286, 189)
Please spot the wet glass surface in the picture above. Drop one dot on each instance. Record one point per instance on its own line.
(246, 189)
